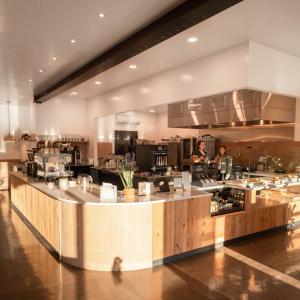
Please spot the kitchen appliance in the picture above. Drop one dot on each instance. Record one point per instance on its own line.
(237, 108)
(187, 149)
(174, 153)
(84, 179)
(159, 158)
(124, 140)
(51, 163)
(32, 168)
(152, 158)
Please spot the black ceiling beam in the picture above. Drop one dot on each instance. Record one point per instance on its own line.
(189, 13)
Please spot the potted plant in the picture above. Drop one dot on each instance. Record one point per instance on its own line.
(126, 176)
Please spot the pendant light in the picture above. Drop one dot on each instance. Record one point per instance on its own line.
(9, 137)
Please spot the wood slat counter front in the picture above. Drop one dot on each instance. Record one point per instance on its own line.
(89, 234)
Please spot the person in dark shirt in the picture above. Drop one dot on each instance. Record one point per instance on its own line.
(130, 155)
(199, 154)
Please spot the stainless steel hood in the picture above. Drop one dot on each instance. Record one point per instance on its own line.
(238, 108)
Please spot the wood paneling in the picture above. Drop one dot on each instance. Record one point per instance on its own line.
(186, 225)
(87, 236)
(39, 209)
(293, 212)
(130, 237)
(241, 153)
(107, 237)
(104, 149)
(178, 226)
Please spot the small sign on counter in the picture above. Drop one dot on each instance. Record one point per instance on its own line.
(186, 180)
(145, 188)
(108, 192)
(177, 183)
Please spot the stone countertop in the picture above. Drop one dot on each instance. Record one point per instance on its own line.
(79, 165)
(91, 194)
(109, 171)
(137, 175)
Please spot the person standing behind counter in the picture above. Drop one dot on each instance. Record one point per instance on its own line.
(224, 164)
(130, 155)
(199, 155)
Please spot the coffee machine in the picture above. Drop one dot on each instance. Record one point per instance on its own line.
(52, 164)
(152, 158)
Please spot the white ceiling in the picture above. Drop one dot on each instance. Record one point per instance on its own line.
(34, 31)
(275, 23)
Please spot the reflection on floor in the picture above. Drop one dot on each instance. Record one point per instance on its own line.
(28, 271)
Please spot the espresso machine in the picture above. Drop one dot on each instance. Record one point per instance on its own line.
(52, 164)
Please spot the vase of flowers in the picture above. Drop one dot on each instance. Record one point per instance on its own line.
(126, 176)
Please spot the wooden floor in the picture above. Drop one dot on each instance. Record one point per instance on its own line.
(263, 267)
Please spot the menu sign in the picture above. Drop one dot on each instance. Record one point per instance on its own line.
(186, 181)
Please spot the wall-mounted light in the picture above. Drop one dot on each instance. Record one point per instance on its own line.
(10, 136)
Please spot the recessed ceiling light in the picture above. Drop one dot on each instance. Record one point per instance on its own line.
(116, 98)
(41, 71)
(53, 58)
(145, 90)
(152, 110)
(98, 82)
(187, 77)
(133, 66)
(101, 15)
(73, 41)
(30, 80)
(192, 39)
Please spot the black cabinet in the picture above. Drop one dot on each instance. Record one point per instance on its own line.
(101, 175)
(80, 169)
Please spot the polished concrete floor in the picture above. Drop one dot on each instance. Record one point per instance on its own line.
(263, 267)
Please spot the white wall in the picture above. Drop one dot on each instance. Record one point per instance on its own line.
(14, 118)
(147, 126)
(27, 117)
(273, 70)
(222, 71)
(9, 150)
(151, 127)
(66, 115)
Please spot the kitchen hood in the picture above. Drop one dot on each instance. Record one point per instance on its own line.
(238, 108)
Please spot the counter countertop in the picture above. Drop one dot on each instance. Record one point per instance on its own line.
(80, 165)
(91, 195)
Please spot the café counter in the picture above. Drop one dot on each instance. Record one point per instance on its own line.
(94, 234)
